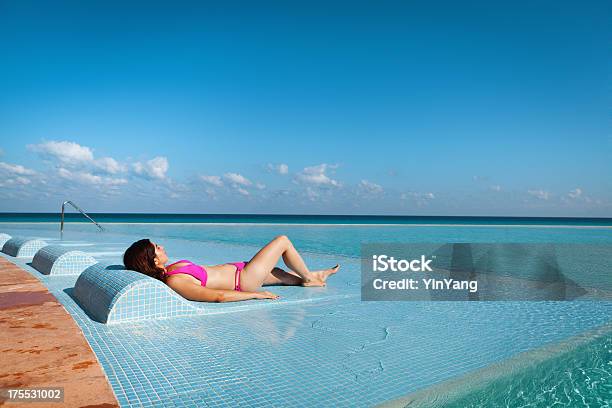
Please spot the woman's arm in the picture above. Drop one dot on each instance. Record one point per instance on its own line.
(192, 291)
(235, 296)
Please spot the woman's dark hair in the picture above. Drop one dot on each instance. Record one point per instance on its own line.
(140, 257)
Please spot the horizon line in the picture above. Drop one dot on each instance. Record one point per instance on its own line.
(312, 215)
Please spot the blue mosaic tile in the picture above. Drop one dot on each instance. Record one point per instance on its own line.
(60, 260)
(22, 247)
(3, 239)
(119, 295)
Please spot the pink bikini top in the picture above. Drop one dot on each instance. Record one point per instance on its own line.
(192, 269)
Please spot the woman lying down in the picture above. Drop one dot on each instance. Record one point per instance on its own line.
(230, 282)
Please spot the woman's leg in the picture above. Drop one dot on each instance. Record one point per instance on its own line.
(259, 267)
(279, 276)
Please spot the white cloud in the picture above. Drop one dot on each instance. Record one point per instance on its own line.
(370, 188)
(280, 193)
(575, 193)
(89, 179)
(316, 175)
(539, 194)
(578, 195)
(311, 194)
(212, 180)
(419, 198)
(211, 193)
(237, 179)
(281, 168)
(15, 175)
(17, 169)
(23, 180)
(243, 192)
(427, 196)
(66, 152)
(155, 168)
(15, 181)
(110, 165)
(495, 188)
(76, 156)
(260, 186)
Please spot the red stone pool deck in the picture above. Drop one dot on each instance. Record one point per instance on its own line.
(42, 346)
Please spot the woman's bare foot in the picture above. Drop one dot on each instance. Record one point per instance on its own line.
(318, 278)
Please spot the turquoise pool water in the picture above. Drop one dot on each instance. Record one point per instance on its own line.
(581, 377)
(352, 353)
(344, 240)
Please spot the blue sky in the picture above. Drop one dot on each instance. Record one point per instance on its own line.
(424, 108)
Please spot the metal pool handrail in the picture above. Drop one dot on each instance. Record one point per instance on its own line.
(81, 211)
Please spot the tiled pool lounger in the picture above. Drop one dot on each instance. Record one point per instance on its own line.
(3, 239)
(59, 260)
(327, 351)
(22, 247)
(112, 295)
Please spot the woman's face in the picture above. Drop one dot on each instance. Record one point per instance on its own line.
(160, 255)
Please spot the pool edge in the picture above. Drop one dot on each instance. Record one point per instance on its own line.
(53, 352)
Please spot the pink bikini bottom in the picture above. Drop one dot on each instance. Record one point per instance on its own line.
(239, 267)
